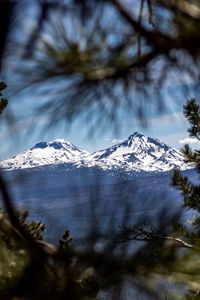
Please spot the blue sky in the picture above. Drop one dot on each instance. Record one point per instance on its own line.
(26, 130)
(170, 127)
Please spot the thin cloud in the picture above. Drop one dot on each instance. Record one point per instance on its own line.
(189, 141)
(115, 141)
(165, 119)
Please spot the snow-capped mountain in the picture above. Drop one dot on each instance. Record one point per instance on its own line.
(56, 152)
(145, 153)
(137, 153)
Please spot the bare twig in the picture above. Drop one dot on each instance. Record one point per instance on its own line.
(150, 8)
(140, 234)
(139, 21)
(155, 38)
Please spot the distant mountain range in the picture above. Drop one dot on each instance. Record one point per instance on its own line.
(137, 153)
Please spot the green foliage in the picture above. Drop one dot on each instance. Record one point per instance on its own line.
(9, 236)
(35, 229)
(103, 57)
(191, 111)
(189, 190)
(65, 241)
(187, 267)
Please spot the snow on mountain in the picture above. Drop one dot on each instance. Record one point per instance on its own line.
(137, 153)
(55, 152)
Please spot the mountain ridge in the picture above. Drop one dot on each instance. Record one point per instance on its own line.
(137, 153)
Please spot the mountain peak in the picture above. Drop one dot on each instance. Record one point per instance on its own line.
(136, 153)
(55, 144)
(59, 151)
(135, 134)
(143, 153)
